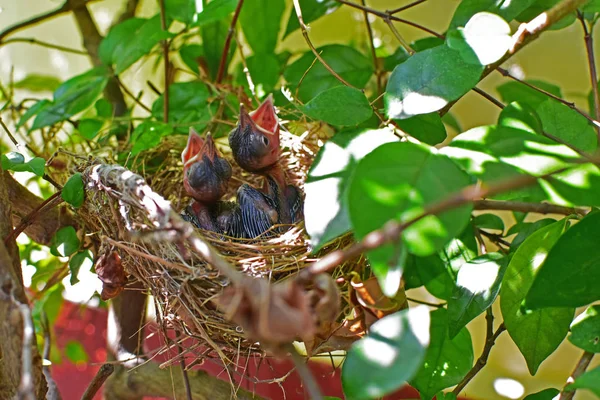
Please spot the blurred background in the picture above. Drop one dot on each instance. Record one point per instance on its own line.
(557, 57)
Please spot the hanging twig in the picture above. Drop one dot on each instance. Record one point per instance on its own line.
(589, 47)
(165, 46)
(304, 30)
(223, 62)
(44, 44)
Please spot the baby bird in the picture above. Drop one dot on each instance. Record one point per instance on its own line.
(255, 147)
(205, 178)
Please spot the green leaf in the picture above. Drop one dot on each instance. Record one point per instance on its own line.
(430, 272)
(83, 258)
(187, 106)
(388, 356)
(592, 6)
(536, 333)
(447, 360)
(340, 105)
(38, 83)
(214, 35)
(351, 65)
(506, 9)
(76, 352)
(261, 21)
(89, 127)
(131, 40)
(73, 192)
(489, 221)
(326, 204)
(427, 81)
(104, 109)
(585, 330)
(520, 116)
(65, 242)
(565, 123)
(428, 128)
(484, 40)
(460, 250)
(181, 10)
(33, 110)
(398, 57)
(525, 229)
(477, 287)
(540, 6)
(589, 380)
(517, 91)
(450, 120)
(546, 394)
(14, 161)
(190, 54)
(311, 11)
(397, 181)
(148, 135)
(72, 97)
(215, 11)
(571, 271)
(265, 71)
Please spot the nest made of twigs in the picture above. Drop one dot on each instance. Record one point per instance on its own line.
(182, 283)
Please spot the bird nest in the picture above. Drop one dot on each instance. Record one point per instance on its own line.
(136, 225)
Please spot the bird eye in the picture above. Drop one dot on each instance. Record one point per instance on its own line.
(265, 140)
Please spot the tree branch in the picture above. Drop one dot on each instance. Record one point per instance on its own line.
(406, 7)
(538, 208)
(44, 44)
(104, 372)
(223, 62)
(165, 46)
(582, 364)
(490, 339)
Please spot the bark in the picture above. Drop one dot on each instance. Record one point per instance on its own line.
(12, 300)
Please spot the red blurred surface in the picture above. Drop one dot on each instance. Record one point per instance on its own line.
(88, 326)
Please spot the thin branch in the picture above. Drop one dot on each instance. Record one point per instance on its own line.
(130, 94)
(538, 208)
(490, 339)
(502, 244)
(223, 62)
(398, 36)
(392, 230)
(104, 372)
(186, 379)
(372, 47)
(406, 7)
(582, 364)
(589, 47)
(66, 7)
(44, 44)
(488, 97)
(386, 15)
(569, 104)
(307, 378)
(304, 30)
(165, 46)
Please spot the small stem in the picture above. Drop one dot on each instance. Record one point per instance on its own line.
(426, 303)
(133, 97)
(399, 37)
(582, 364)
(104, 372)
(223, 62)
(186, 379)
(490, 340)
(165, 46)
(589, 47)
(489, 97)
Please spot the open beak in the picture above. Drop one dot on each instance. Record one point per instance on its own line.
(265, 116)
(191, 151)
